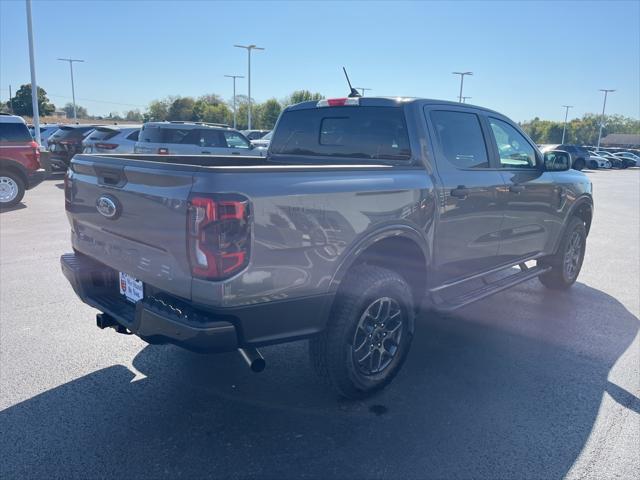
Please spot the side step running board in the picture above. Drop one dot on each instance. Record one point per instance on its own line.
(489, 289)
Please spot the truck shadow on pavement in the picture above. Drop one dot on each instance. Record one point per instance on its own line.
(508, 388)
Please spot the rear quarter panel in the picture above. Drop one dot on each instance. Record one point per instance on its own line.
(306, 224)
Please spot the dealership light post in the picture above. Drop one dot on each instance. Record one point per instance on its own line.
(364, 89)
(73, 90)
(462, 74)
(234, 96)
(34, 85)
(604, 104)
(566, 114)
(248, 48)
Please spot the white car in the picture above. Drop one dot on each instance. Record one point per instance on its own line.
(112, 139)
(601, 161)
(193, 138)
(630, 156)
(264, 141)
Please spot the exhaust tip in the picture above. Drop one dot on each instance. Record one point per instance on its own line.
(258, 365)
(254, 360)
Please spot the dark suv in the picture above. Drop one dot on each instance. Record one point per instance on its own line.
(20, 167)
(579, 155)
(66, 142)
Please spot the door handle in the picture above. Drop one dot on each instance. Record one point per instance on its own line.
(235, 153)
(516, 188)
(206, 153)
(460, 192)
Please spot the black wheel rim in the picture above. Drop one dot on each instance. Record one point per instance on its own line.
(572, 255)
(376, 340)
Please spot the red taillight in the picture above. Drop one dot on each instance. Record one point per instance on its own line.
(35, 155)
(219, 233)
(106, 146)
(339, 102)
(163, 151)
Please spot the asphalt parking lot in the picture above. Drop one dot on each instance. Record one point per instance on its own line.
(526, 384)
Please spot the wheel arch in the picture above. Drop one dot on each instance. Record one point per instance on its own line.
(13, 166)
(400, 248)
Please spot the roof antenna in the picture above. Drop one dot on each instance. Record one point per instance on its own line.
(354, 92)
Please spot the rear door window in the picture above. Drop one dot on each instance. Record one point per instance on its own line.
(460, 138)
(235, 140)
(350, 132)
(14, 132)
(153, 134)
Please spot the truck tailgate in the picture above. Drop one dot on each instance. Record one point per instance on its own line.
(132, 218)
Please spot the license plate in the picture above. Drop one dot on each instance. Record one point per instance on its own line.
(131, 288)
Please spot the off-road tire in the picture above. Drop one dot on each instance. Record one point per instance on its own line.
(559, 277)
(332, 352)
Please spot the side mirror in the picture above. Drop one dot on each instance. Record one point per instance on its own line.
(557, 161)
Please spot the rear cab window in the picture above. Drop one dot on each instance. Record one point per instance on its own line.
(350, 132)
(460, 138)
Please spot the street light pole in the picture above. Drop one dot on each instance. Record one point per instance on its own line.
(604, 104)
(73, 90)
(34, 85)
(566, 114)
(462, 74)
(248, 48)
(364, 89)
(234, 96)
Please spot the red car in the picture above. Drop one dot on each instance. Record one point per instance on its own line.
(20, 168)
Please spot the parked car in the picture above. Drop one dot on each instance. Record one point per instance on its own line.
(20, 168)
(66, 142)
(46, 130)
(596, 161)
(616, 162)
(264, 141)
(111, 139)
(254, 134)
(193, 138)
(579, 155)
(364, 210)
(629, 156)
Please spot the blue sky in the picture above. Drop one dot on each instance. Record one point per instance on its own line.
(528, 58)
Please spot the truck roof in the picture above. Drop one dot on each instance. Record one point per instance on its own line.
(392, 102)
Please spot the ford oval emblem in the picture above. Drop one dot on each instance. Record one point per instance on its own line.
(107, 206)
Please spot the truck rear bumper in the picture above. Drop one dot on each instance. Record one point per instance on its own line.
(161, 318)
(36, 177)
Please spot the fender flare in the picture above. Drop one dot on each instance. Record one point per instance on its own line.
(579, 203)
(368, 239)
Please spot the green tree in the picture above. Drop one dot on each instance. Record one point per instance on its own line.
(301, 96)
(81, 112)
(269, 113)
(213, 113)
(182, 109)
(133, 116)
(21, 102)
(158, 111)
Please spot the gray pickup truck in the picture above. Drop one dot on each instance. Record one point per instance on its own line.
(364, 211)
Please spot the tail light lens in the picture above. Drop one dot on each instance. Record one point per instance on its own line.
(219, 235)
(35, 153)
(106, 146)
